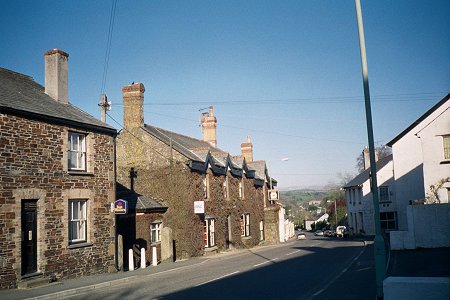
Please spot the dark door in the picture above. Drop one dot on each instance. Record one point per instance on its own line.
(29, 237)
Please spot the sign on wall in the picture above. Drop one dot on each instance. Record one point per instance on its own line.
(274, 195)
(120, 207)
(199, 207)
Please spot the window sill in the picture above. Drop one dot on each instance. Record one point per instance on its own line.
(445, 161)
(154, 244)
(80, 245)
(80, 173)
(246, 237)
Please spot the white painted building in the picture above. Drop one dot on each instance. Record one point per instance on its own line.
(421, 155)
(359, 201)
(420, 162)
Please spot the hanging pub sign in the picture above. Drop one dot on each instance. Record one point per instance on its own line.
(199, 207)
(120, 207)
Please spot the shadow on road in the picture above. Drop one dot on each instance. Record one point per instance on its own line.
(296, 278)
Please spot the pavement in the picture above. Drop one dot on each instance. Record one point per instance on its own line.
(414, 263)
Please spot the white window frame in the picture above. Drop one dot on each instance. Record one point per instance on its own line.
(245, 225)
(241, 189)
(446, 146)
(225, 188)
(77, 151)
(155, 232)
(205, 185)
(77, 221)
(209, 232)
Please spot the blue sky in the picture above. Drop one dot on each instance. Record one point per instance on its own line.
(286, 72)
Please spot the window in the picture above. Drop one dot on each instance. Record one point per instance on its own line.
(388, 220)
(261, 230)
(245, 224)
(77, 221)
(205, 186)
(384, 193)
(225, 188)
(155, 232)
(241, 190)
(77, 151)
(446, 142)
(209, 233)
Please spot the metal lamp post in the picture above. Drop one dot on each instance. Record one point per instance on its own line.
(380, 253)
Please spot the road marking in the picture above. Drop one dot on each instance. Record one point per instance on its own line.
(317, 293)
(266, 262)
(217, 278)
(293, 252)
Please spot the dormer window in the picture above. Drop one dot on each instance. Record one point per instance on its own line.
(77, 151)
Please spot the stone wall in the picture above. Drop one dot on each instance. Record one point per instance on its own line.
(33, 166)
(164, 174)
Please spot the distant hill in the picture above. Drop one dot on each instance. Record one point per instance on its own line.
(302, 195)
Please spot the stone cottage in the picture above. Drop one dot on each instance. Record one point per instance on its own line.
(229, 196)
(56, 180)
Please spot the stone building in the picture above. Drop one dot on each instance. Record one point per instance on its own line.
(230, 195)
(56, 181)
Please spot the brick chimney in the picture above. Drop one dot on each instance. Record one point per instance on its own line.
(56, 75)
(366, 157)
(247, 150)
(209, 124)
(133, 102)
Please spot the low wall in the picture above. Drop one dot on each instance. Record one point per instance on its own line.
(428, 227)
(420, 288)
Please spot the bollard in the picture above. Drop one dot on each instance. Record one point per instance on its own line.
(142, 258)
(154, 256)
(130, 260)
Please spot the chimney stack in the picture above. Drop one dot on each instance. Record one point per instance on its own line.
(366, 157)
(133, 102)
(56, 75)
(209, 124)
(247, 150)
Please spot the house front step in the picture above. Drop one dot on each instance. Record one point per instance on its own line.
(35, 281)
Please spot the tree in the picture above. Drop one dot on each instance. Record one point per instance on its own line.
(382, 151)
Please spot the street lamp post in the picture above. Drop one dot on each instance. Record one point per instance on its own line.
(380, 255)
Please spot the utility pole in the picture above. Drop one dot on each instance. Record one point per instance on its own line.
(104, 106)
(380, 252)
(335, 212)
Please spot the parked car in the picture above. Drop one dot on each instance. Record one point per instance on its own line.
(301, 236)
(329, 233)
(318, 233)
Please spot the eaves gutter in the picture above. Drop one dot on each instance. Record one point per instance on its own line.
(59, 121)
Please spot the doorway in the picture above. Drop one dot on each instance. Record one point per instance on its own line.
(29, 237)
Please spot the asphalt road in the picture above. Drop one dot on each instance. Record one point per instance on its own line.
(315, 268)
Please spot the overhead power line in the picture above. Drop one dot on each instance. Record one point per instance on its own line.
(330, 100)
(108, 45)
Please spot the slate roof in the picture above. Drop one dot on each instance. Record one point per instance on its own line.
(419, 120)
(138, 202)
(21, 95)
(184, 144)
(364, 175)
(202, 152)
